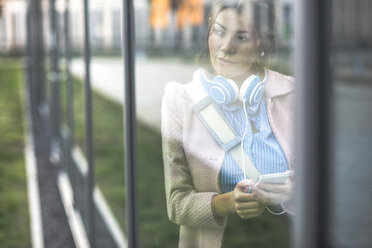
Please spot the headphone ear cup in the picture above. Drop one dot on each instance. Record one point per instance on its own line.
(230, 88)
(220, 89)
(251, 90)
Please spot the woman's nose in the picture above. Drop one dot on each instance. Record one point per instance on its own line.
(228, 45)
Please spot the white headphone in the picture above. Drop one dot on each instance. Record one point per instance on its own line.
(225, 91)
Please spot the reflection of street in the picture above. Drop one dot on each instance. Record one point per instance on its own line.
(352, 158)
(151, 76)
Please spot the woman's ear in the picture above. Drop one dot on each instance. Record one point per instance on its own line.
(260, 46)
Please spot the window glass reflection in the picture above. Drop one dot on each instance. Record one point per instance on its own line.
(222, 69)
(351, 64)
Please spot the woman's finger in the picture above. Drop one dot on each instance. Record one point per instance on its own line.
(244, 197)
(248, 205)
(247, 214)
(250, 211)
(243, 185)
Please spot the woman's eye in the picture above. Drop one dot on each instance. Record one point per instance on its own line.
(218, 32)
(243, 38)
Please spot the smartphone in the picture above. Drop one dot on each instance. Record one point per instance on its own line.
(276, 178)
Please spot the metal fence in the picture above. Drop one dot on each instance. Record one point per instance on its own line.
(75, 177)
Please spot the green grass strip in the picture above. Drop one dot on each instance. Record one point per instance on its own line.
(14, 215)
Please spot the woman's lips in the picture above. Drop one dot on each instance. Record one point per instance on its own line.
(225, 61)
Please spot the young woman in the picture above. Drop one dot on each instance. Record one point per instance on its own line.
(204, 183)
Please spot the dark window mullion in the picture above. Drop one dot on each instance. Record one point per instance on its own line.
(89, 128)
(54, 76)
(130, 122)
(312, 72)
(69, 82)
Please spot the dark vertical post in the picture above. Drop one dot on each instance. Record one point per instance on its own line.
(69, 99)
(130, 122)
(35, 61)
(89, 128)
(69, 83)
(55, 89)
(312, 26)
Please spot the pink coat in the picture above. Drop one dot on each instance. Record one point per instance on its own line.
(193, 159)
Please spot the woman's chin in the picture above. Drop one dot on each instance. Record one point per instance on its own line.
(228, 74)
(229, 71)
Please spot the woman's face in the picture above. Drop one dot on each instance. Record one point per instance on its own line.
(232, 46)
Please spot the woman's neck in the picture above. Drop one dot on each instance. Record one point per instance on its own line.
(240, 79)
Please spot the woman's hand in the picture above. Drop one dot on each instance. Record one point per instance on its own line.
(273, 194)
(238, 201)
(246, 205)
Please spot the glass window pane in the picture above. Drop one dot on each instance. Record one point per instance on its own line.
(187, 173)
(352, 76)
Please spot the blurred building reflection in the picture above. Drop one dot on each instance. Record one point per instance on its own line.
(178, 25)
(352, 23)
(352, 41)
(12, 25)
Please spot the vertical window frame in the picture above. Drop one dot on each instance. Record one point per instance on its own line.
(313, 136)
(130, 122)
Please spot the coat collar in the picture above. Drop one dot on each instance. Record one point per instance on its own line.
(277, 84)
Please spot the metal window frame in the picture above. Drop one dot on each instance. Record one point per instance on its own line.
(35, 63)
(128, 39)
(89, 129)
(312, 73)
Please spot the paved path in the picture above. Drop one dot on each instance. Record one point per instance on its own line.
(55, 224)
(151, 77)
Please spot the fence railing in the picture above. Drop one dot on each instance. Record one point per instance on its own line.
(82, 199)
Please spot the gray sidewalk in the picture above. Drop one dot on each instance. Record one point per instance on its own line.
(151, 77)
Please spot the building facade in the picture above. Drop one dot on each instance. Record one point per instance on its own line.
(12, 25)
(105, 25)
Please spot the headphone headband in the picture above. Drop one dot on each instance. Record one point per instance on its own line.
(225, 91)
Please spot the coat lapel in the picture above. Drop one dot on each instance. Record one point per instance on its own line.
(280, 108)
(278, 84)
